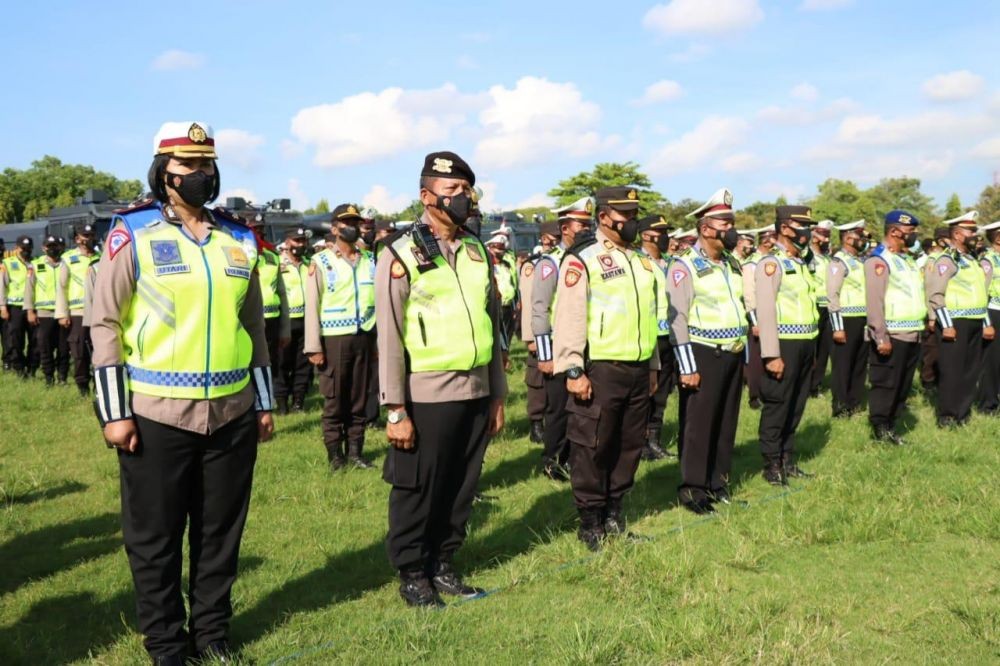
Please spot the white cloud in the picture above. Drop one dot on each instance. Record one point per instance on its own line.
(712, 136)
(176, 59)
(298, 196)
(875, 167)
(824, 5)
(249, 195)
(933, 127)
(774, 190)
(291, 149)
(491, 204)
(741, 162)
(953, 86)
(805, 92)
(536, 200)
(661, 91)
(988, 149)
(368, 126)
(379, 198)
(802, 116)
(239, 147)
(691, 53)
(703, 17)
(536, 120)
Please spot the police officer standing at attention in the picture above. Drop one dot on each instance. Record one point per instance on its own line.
(272, 289)
(929, 344)
(709, 327)
(819, 264)
(48, 311)
(506, 281)
(183, 391)
(19, 345)
(788, 323)
(845, 289)
(574, 220)
(533, 377)
(957, 293)
(754, 365)
(293, 375)
(988, 400)
(73, 275)
(654, 233)
(340, 318)
(441, 377)
(896, 314)
(608, 353)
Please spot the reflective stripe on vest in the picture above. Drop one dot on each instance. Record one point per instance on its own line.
(446, 325)
(965, 296)
(268, 270)
(294, 278)
(182, 335)
(621, 312)
(798, 317)
(46, 284)
(717, 315)
(852, 289)
(905, 307)
(347, 303)
(17, 275)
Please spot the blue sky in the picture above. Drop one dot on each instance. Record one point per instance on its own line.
(342, 101)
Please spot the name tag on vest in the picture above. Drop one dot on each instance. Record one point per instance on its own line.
(789, 266)
(238, 272)
(172, 269)
(701, 267)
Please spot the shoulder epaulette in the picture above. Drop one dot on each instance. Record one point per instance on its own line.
(136, 206)
(220, 212)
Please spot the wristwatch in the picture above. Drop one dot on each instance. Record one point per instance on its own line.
(396, 416)
(574, 372)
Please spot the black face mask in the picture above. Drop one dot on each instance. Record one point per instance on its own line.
(89, 243)
(368, 237)
(458, 208)
(823, 246)
(26, 253)
(297, 251)
(627, 230)
(860, 244)
(802, 236)
(910, 238)
(53, 253)
(663, 243)
(196, 188)
(349, 235)
(730, 238)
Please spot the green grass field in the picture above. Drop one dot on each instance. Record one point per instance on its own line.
(886, 556)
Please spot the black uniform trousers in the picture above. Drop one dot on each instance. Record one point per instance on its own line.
(343, 382)
(607, 433)
(988, 399)
(784, 401)
(850, 365)
(53, 348)
(534, 380)
(272, 333)
(891, 378)
(824, 341)
(707, 426)
(434, 483)
(664, 385)
(555, 447)
(929, 361)
(79, 347)
(958, 369)
(755, 367)
(22, 343)
(176, 478)
(292, 373)
(371, 400)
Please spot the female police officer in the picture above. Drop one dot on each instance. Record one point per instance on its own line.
(183, 388)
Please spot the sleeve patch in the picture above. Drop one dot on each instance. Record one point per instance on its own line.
(397, 270)
(678, 275)
(118, 239)
(547, 270)
(770, 268)
(942, 269)
(880, 268)
(572, 277)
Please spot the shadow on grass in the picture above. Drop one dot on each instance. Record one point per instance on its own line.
(511, 470)
(52, 492)
(49, 550)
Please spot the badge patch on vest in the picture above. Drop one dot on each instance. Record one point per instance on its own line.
(645, 264)
(474, 252)
(769, 269)
(236, 257)
(572, 277)
(118, 239)
(165, 252)
(609, 269)
(789, 266)
(702, 267)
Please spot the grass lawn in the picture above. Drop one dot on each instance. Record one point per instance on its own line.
(887, 555)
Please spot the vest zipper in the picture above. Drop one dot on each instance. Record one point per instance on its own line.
(732, 299)
(140, 336)
(423, 331)
(208, 320)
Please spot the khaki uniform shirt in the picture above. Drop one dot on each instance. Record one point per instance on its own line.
(526, 283)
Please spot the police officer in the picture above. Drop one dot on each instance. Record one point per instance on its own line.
(819, 264)
(754, 365)
(183, 391)
(685, 239)
(294, 375)
(929, 343)
(20, 351)
(441, 378)
(574, 222)
(506, 282)
(608, 353)
(988, 398)
(845, 289)
(339, 321)
(272, 288)
(48, 311)
(654, 233)
(896, 314)
(534, 380)
(709, 327)
(788, 323)
(958, 296)
(74, 273)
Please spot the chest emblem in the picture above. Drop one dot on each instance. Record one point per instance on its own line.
(609, 267)
(165, 252)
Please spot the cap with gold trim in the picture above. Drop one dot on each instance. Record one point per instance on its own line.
(850, 226)
(581, 209)
(800, 214)
(185, 139)
(623, 199)
(654, 223)
(345, 212)
(967, 219)
(719, 205)
(901, 217)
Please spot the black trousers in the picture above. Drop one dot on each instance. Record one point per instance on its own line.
(824, 341)
(850, 365)
(784, 401)
(434, 483)
(958, 369)
(292, 372)
(371, 400)
(22, 343)
(755, 367)
(272, 333)
(176, 478)
(664, 385)
(53, 348)
(891, 378)
(343, 382)
(555, 444)
(988, 399)
(607, 433)
(79, 347)
(708, 418)
(534, 380)
(929, 361)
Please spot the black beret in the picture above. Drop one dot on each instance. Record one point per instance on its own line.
(297, 233)
(447, 164)
(654, 223)
(550, 228)
(52, 240)
(25, 241)
(85, 230)
(801, 214)
(622, 199)
(346, 211)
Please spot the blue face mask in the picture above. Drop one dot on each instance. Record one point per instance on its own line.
(915, 248)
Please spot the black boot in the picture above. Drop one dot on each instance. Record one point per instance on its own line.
(774, 474)
(447, 581)
(614, 518)
(793, 471)
(298, 403)
(283, 405)
(335, 456)
(887, 435)
(219, 651)
(537, 434)
(355, 457)
(695, 501)
(554, 470)
(591, 530)
(652, 450)
(416, 589)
